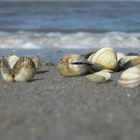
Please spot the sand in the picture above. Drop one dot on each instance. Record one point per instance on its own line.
(55, 108)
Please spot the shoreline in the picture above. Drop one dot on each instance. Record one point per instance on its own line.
(58, 108)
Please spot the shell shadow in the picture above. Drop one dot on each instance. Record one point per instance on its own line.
(36, 79)
(42, 71)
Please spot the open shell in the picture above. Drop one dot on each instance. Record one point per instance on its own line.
(23, 70)
(130, 77)
(105, 57)
(76, 65)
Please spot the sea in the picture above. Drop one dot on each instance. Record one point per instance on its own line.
(52, 29)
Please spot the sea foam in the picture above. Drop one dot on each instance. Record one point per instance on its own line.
(80, 40)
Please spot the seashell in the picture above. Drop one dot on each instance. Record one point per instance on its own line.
(105, 57)
(37, 61)
(23, 70)
(128, 61)
(130, 77)
(76, 65)
(100, 77)
(12, 59)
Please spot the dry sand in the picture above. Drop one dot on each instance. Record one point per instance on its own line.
(55, 108)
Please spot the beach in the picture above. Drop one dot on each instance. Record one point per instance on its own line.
(51, 107)
(56, 108)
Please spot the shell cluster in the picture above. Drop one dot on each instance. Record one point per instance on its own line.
(19, 69)
(99, 66)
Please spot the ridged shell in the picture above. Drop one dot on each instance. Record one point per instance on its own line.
(130, 77)
(105, 57)
(23, 70)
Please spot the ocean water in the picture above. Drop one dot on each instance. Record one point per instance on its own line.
(53, 29)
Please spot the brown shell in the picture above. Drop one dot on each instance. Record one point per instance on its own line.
(23, 63)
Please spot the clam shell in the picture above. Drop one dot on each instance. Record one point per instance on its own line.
(129, 83)
(100, 77)
(131, 73)
(24, 69)
(73, 65)
(76, 65)
(105, 57)
(130, 77)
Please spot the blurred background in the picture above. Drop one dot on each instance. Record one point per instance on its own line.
(54, 28)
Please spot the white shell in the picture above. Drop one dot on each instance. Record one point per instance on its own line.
(131, 73)
(105, 57)
(130, 77)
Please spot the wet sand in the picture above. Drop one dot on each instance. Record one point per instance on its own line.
(55, 108)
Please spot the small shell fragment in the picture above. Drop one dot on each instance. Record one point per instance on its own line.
(99, 77)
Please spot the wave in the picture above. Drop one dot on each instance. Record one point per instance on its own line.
(57, 40)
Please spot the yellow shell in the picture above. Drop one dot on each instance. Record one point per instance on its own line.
(105, 57)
